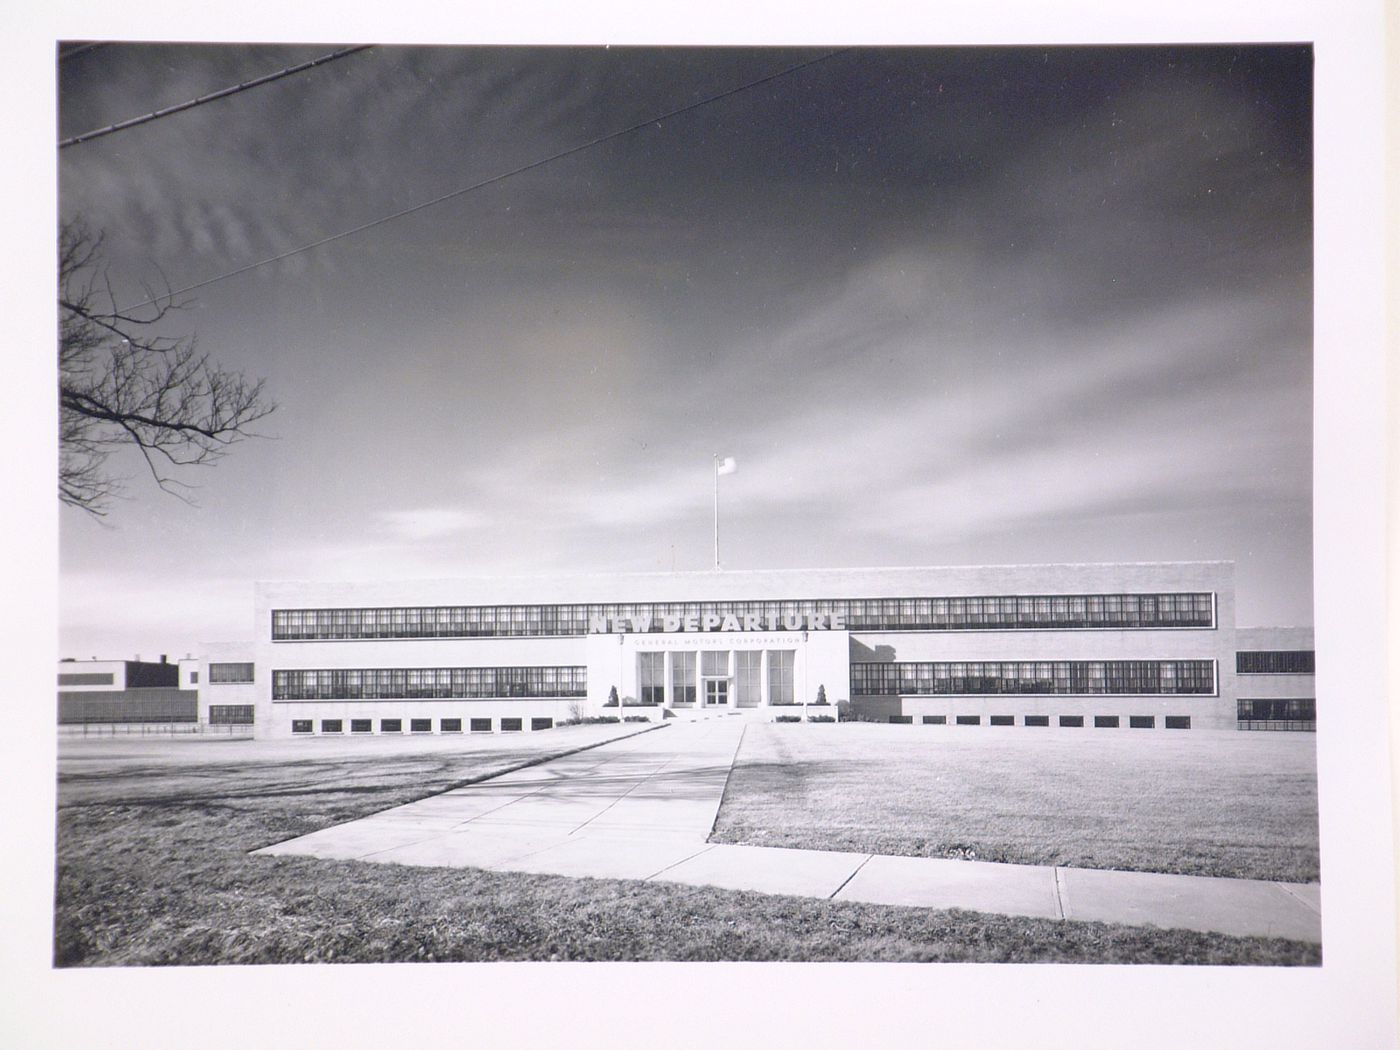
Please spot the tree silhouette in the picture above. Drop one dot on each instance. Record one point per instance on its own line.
(122, 383)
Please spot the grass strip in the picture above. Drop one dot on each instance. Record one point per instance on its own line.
(153, 869)
(1234, 805)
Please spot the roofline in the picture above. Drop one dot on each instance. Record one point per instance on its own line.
(711, 573)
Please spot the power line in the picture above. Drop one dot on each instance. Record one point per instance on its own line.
(76, 50)
(202, 99)
(493, 179)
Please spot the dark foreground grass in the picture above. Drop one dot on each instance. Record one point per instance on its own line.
(1238, 805)
(153, 870)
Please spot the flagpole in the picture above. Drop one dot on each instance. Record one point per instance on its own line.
(714, 466)
(727, 465)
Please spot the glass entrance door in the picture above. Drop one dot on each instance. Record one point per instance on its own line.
(716, 691)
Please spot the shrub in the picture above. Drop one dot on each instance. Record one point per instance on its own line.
(820, 718)
(788, 718)
(598, 720)
(821, 696)
(612, 700)
(635, 718)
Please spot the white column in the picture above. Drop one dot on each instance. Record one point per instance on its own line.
(800, 656)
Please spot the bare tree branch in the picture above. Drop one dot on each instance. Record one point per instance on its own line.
(122, 383)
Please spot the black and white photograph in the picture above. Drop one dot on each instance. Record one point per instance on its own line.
(682, 506)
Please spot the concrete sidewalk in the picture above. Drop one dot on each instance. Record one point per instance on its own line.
(642, 808)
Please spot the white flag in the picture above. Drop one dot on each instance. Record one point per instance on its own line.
(727, 466)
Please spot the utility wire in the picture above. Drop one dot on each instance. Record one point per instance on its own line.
(134, 121)
(493, 179)
(75, 51)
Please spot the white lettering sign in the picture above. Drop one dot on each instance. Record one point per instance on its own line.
(644, 624)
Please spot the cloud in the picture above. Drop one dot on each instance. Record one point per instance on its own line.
(429, 523)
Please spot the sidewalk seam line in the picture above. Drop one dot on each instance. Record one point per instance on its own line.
(705, 847)
(868, 858)
(1293, 896)
(614, 802)
(518, 798)
(1059, 897)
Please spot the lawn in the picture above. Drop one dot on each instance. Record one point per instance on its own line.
(153, 869)
(1240, 805)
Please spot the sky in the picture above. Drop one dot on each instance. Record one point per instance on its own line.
(942, 305)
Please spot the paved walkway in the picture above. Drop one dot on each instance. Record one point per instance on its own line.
(643, 807)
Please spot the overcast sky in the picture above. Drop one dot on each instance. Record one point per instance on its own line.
(944, 306)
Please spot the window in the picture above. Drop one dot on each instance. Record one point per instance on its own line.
(194, 678)
(1177, 721)
(1002, 720)
(510, 725)
(361, 725)
(1072, 721)
(449, 725)
(229, 674)
(748, 677)
(1051, 678)
(420, 725)
(332, 725)
(1105, 721)
(935, 720)
(900, 720)
(541, 723)
(969, 720)
(301, 725)
(1021, 612)
(1278, 710)
(1142, 722)
(683, 678)
(391, 725)
(437, 683)
(481, 725)
(651, 677)
(714, 663)
(1036, 720)
(230, 714)
(87, 679)
(780, 664)
(1296, 661)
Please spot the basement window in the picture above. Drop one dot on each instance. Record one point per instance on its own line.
(450, 725)
(1036, 720)
(541, 723)
(1177, 721)
(391, 725)
(935, 720)
(332, 725)
(1105, 721)
(420, 725)
(481, 725)
(1142, 721)
(361, 725)
(1003, 720)
(1072, 721)
(301, 725)
(969, 720)
(511, 725)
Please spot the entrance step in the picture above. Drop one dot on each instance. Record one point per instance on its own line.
(750, 714)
